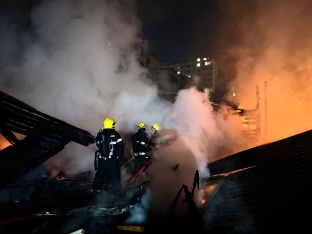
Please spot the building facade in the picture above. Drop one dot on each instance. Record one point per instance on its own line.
(204, 69)
(168, 80)
(173, 77)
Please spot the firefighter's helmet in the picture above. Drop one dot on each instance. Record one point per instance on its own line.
(156, 127)
(109, 123)
(141, 125)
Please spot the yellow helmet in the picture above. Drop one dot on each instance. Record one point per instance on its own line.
(109, 123)
(156, 126)
(141, 125)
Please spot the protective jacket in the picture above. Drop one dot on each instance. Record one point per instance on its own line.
(108, 158)
(153, 141)
(110, 145)
(140, 141)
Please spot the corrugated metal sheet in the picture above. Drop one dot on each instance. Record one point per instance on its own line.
(273, 196)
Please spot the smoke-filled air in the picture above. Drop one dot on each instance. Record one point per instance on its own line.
(75, 60)
(270, 41)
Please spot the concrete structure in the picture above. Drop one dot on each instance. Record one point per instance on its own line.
(153, 66)
(170, 83)
(204, 68)
(168, 80)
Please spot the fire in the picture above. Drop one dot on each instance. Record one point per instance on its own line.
(3, 142)
(59, 175)
(270, 46)
(206, 191)
(62, 174)
(282, 115)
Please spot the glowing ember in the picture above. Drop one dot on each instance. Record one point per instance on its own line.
(3, 142)
(59, 175)
(206, 191)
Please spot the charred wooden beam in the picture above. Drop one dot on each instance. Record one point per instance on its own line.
(45, 136)
(18, 114)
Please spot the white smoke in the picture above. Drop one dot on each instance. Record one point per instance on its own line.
(270, 41)
(139, 213)
(76, 62)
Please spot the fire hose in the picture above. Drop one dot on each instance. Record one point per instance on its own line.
(138, 172)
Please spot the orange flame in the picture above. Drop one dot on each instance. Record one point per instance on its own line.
(3, 142)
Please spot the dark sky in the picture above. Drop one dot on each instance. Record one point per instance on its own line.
(182, 30)
(178, 30)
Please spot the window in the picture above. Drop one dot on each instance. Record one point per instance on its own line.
(198, 60)
(198, 64)
(207, 63)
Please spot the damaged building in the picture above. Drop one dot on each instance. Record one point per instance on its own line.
(260, 190)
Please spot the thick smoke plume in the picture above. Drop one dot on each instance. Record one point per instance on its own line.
(75, 60)
(270, 41)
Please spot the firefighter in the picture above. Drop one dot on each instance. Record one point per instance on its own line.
(140, 141)
(154, 129)
(154, 135)
(109, 156)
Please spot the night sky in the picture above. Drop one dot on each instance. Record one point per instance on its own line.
(183, 30)
(179, 30)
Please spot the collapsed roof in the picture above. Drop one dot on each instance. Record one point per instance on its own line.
(260, 190)
(45, 136)
(263, 189)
